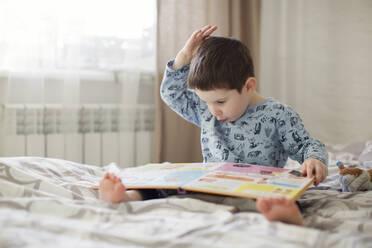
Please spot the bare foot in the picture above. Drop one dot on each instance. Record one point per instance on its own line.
(280, 209)
(111, 189)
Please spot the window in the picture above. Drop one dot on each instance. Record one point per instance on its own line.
(107, 35)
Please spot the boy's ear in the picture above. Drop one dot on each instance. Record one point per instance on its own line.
(250, 84)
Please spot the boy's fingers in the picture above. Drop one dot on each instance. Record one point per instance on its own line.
(196, 33)
(205, 28)
(309, 171)
(303, 172)
(318, 174)
(200, 32)
(324, 174)
(317, 180)
(321, 173)
(209, 31)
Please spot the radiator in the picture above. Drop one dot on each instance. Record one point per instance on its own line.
(89, 134)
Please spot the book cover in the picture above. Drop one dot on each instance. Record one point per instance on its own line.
(230, 179)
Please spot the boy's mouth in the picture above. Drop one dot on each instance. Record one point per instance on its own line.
(224, 120)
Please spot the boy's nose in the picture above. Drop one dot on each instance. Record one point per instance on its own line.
(215, 111)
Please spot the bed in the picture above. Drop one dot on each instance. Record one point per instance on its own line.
(47, 202)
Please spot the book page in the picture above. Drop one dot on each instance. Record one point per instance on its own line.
(164, 175)
(250, 181)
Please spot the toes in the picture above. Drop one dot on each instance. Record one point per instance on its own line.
(101, 183)
(119, 181)
(270, 200)
(280, 200)
(110, 176)
(119, 187)
(263, 204)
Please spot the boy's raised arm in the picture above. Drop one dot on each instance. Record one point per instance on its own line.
(186, 54)
(173, 89)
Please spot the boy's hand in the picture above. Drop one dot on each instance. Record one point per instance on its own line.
(314, 167)
(185, 55)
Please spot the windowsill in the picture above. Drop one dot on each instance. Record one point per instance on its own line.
(84, 74)
(95, 75)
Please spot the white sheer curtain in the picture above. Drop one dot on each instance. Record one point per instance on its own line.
(76, 53)
(316, 56)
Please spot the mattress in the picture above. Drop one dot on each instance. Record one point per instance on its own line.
(47, 202)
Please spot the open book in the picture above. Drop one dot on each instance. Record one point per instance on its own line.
(230, 179)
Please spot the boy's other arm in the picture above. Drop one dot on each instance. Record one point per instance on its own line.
(301, 146)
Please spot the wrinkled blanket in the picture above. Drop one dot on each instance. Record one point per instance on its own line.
(47, 203)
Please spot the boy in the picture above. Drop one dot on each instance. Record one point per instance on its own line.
(217, 92)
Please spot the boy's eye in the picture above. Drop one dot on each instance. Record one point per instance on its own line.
(220, 102)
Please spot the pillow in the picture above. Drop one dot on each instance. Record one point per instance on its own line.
(366, 156)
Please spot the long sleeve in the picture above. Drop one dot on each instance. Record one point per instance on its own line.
(297, 141)
(177, 96)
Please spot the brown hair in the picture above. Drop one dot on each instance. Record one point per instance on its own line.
(220, 63)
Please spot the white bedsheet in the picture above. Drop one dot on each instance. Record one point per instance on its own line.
(47, 203)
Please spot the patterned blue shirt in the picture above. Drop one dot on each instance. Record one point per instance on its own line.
(266, 134)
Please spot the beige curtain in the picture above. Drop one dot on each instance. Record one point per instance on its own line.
(176, 140)
(316, 56)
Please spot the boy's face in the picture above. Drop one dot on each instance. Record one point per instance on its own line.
(225, 105)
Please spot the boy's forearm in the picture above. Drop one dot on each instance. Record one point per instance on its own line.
(181, 60)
